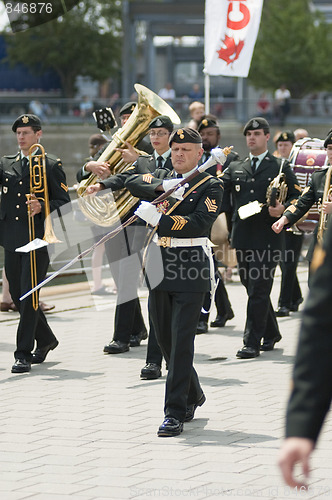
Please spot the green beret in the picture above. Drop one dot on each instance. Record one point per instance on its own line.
(255, 124)
(128, 108)
(328, 139)
(185, 134)
(26, 121)
(207, 123)
(286, 136)
(162, 121)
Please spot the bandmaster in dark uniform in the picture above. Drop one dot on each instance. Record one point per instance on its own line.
(182, 236)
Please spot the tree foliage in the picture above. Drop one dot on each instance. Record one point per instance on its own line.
(86, 41)
(292, 48)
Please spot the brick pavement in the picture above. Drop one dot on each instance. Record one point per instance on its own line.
(82, 426)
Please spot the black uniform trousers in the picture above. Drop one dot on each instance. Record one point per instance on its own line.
(221, 300)
(290, 291)
(256, 270)
(33, 324)
(125, 268)
(153, 352)
(175, 316)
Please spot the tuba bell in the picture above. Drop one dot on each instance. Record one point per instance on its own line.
(101, 208)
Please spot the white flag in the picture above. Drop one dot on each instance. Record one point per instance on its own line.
(231, 28)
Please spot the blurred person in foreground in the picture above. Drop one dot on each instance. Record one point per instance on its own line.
(311, 393)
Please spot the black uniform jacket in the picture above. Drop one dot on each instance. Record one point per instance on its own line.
(185, 268)
(15, 185)
(241, 186)
(310, 195)
(312, 389)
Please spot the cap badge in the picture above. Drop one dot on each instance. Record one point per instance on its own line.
(25, 119)
(284, 135)
(180, 133)
(205, 122)
(255, 124)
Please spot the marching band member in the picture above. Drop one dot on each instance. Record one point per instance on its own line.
(15, 181)
(175, 303)
(313, 193)
(257, 246)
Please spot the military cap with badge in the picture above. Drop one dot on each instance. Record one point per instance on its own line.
(127, 108)
(285, 136)
(186, 134)
(207, 123)
(255, 124)
(162, 121)
(328, 139)
(27, 120)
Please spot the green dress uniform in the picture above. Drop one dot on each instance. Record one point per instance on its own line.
(15, 181)
(312, 377)
(257, 246)
(175, 303)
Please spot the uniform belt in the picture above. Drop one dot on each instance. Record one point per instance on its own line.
(169, 242)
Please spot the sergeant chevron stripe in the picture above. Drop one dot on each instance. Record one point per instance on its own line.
(211, 205)
(179, 222)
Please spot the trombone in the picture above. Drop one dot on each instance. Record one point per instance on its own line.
(38, 189)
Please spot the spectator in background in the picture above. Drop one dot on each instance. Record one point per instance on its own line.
(300, 133)
(86, 108)
(168, 94)
(264, 106)
(282, 103)
(39, 109)
(195, 92)
(197, 111)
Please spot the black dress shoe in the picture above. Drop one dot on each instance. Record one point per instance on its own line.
(170, 427)
(116, 347)
(135, 340)
(190, 411)
(150, 371)
(247, 353)
(295, 306)
(202, 327)
(21, 366)
(220, 321)
(39, 355)
(282, 311)
(268, 345)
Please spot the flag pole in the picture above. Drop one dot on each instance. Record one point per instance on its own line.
(207, 93)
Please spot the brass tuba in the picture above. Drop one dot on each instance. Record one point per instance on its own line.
(101, 208)
(39, 188)
(322, 224)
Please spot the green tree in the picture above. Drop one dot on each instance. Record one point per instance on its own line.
(292, 47)
(86, 41)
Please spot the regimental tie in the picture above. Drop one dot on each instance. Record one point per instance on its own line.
(25, 166)
(160, 162)
(254, 163)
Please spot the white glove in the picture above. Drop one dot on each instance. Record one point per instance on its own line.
(170, 184)
(148, 213)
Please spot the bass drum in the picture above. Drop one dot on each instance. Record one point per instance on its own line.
(307, 156)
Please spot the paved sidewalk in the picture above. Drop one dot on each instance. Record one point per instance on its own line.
(82, 425)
